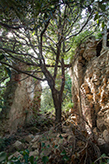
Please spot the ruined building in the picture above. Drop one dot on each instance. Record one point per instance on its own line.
(22, 100)
(90, 85)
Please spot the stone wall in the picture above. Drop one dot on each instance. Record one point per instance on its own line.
(22, 101)
(90, 84)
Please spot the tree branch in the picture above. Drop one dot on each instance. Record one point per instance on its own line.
(10, 27)
(82, 26)
(14, 52)
(20, 71)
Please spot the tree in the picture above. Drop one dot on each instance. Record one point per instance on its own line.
(102, 17)
(39, 35)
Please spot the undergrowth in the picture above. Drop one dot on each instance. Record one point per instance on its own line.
(25, 158)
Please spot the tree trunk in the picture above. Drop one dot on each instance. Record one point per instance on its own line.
(57, 99)
(57, 105)
(104, 43)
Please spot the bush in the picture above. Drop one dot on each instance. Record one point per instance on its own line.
(2, 144)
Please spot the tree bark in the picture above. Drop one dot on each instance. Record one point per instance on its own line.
(104, 43)
(57, 104)
(57, 99)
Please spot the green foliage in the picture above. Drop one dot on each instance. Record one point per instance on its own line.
(98, 35)
(23, 10)
(67, 95)
(60, 136)
(2, 56)
(2, 144)
(24, 159)
(8, 71)
(77, 40)
(60, 153)
(68, 84)
(103, 159)
(101, 13)
(46, 100)
(25, 154)
(5, 75)
(69, 105)
(2, 156)
(45, 159)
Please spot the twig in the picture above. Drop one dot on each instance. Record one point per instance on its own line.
(106, 157)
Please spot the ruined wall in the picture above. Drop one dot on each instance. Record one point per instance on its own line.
(90, 84)
(22, 100)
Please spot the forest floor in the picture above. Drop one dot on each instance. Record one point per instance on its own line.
(40, 142)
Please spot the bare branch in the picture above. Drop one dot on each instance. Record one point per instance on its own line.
(24, 72)
(17, 27)
(17, 53)
(89, 17)
(10, 27)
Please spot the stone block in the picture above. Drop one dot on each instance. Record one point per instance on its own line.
(18, 145)
(106, 135)
(29, 138)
